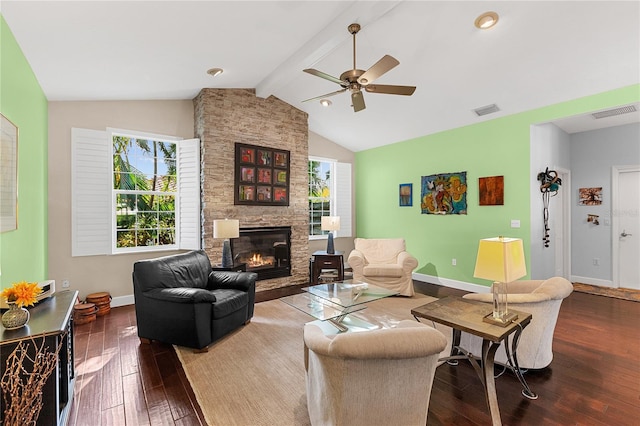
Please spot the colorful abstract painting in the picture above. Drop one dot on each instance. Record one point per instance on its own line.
(444, 193)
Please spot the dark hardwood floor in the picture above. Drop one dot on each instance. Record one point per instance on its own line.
(594, 378)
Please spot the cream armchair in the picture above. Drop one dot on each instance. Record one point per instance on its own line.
(383, 262)
(542, 299)
(379, 377)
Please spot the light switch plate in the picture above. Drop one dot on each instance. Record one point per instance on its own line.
(515, 223)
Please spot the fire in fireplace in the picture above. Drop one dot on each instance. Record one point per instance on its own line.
(265, 250)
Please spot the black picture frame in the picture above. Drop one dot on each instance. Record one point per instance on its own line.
(262, 176)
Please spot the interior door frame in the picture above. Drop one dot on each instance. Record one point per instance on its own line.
(565, 189)
(615, 208)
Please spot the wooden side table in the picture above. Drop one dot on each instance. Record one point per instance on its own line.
(323, 261)
(466, 315)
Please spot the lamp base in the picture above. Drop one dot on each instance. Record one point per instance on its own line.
(227, 261)
(504, 321)
(330, 248)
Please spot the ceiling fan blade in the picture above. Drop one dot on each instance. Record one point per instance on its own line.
(390, 89)
(324, 75)
(358, 101)
(382, 66)
(325, 96)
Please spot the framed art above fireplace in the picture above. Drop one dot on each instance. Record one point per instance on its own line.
(261, 176)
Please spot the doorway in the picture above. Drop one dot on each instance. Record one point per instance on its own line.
(625, 186)
(562, 226)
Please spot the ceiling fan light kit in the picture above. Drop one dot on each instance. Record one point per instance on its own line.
(356, 79)
(215, 71)
(486, 20)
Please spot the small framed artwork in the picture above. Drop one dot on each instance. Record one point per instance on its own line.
(8, 175)
(264, 175)
(258, 172)
(248, 155)
(246, 192)
(247, 174)
(406, 194)
(281, 177)
(264, 157)
(491, 191)
(590, 196)
(264, 193)
(279, 194)
(281, 159)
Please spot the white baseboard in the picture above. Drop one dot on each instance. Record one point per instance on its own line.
(122, 301)
(592, 281)
(446, 282)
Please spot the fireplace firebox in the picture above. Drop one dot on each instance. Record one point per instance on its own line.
(265, 250)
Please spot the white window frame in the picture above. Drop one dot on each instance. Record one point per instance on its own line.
(340, 198)
(93, 197)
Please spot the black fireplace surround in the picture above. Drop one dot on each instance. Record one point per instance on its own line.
(265, 250)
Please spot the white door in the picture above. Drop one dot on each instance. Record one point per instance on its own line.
(627, 231)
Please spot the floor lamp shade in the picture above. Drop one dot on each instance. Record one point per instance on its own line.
(227, 228)
(500, 260)
(330, 223)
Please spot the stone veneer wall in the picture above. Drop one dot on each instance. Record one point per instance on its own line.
(226, 116)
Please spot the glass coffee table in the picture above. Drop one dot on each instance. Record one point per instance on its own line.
(331, 304)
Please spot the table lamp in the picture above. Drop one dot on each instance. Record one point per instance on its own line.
(330, 223)
(227, 228)
(502, 261)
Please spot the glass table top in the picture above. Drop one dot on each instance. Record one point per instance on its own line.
(334, 300)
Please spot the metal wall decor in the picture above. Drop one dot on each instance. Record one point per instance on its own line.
(549, 186)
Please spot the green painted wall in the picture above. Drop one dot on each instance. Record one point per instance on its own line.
(492, 148)
(23, 252)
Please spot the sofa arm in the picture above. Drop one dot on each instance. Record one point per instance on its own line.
(356, 260)
(181, 295)
(407, 261)
(235, 280)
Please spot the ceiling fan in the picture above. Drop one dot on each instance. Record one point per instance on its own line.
(355, 80)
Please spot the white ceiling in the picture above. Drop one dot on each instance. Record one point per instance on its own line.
(540, 53)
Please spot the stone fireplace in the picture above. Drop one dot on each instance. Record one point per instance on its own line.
(224, 117)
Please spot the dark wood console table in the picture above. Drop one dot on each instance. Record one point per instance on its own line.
(51, 320)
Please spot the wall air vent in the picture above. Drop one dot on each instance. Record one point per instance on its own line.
(489, 109)
(615, 111)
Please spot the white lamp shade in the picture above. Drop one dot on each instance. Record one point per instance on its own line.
(500, 259)
(227, 228)
(330, 223)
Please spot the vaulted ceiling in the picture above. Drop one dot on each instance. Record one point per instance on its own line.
(539, 53)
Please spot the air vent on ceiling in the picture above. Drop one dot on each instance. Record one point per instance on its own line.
(615, 111)
(489, 109)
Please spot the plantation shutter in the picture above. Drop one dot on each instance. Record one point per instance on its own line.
(343, 198)
(90, 192)
(190, 235)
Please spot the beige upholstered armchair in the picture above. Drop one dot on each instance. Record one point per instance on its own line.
(379, 377)
(383, 262)
(542, 299)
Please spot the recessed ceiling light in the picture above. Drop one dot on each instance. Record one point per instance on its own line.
(486, 20)
(215, 71)
(325, 102)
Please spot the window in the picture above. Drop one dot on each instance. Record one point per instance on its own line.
(329, 195)
(145, 191)
(134, 192)
(321, 193)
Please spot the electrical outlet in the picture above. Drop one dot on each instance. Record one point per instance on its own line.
(454, 262)
(596, 261)
(65, 283)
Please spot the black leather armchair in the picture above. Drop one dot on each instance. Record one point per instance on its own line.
(180, 300)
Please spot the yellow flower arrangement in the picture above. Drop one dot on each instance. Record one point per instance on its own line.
(22, 293)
